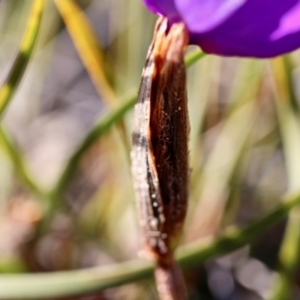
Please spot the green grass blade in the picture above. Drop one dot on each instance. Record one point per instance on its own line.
(19, 165)
(100, 128)
(79, 282)
(25, 52)
(289, 125)
(289, 257)
(217, 172)
(193, 57)
(214, 177)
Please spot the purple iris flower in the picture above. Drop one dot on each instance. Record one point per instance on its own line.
(251, 28)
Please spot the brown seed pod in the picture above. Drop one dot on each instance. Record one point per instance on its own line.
(160, 152)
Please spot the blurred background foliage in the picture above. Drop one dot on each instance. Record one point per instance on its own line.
(66, 195)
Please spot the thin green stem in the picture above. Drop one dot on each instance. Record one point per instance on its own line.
(97, 131)
(71, 283)
(289, 257)
(62, 284)
(19, 165)
(287, 111)
(193, 57)
(100, 128)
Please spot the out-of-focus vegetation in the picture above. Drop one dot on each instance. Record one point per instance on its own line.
(68, 225)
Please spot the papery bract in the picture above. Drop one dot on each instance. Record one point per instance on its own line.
(253, 28)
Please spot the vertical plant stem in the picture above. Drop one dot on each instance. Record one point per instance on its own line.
(287, 111)
(193, 57)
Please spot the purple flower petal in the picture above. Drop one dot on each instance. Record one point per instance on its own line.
(255, 28)
(165, 8)
(202, 15)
